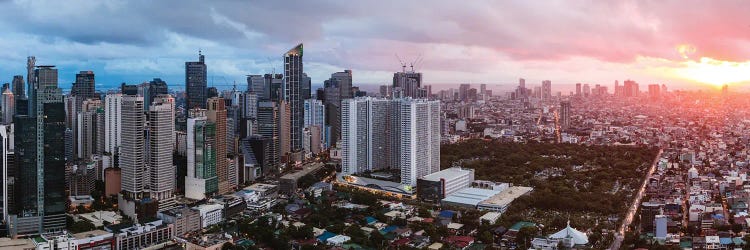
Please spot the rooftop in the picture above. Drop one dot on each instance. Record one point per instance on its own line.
(306, 169)
(471, 196)
(507, 196)
(449, 173)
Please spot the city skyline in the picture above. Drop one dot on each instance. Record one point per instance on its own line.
(647, 42)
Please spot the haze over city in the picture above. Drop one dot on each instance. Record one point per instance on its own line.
(362, 125)
(685, 44)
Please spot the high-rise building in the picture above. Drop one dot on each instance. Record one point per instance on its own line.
(268, 128)
(8, 168)
(586, 90)
(272, 88)
(84, 88)
(201, 180)
(196, 82)
(249, 114)
(565, 115)
(315, 116)
(546, 90)
(463, 92)
(8, 106)
(293, 69)
(407, 84)
(87, 127)
(521, 91)
(386, 91)
(161, 124)
(653, 91)
(306, 86)
(618, 88)
(420, 139)
(30, 83)
(40, 193)
(285, 131)
(217, 114)
(255, 83)
(630, 88)
(112, 122)
(369, 134)
(150, 90)
(18, 86)
(578, 89)
(132, 150)
(344, 82)
(391, 133)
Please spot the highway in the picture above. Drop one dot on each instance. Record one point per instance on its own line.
(634, 207)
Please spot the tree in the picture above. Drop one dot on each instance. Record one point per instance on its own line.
(82, 226)
(227, 246)
(524, 236)
(486, 237)
(376, 239)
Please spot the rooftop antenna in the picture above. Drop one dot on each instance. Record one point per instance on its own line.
(270, 63)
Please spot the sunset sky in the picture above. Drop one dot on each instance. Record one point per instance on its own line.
(684, 44)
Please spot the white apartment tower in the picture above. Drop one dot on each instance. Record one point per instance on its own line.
(391, 133)
(161, 145)
(112, 122)
(420, 139)
(133, 146)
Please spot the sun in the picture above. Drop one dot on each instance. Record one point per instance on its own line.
(715, 72)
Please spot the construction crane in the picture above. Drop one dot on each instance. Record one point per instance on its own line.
(403, 65)
(416, 62)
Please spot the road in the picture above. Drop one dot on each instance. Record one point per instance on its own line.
(634, 207)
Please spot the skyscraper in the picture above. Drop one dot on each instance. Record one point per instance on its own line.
(87, 128)
(391, 133)
(8, 106)
(369, 134)
(40, 196)
(546, 90)
(255, 83)
(201, 179)
(132, 150)
(463, 91)
(217, 114)
(407, 83)
(268, 127)
(420, 139)
(315, 116)
(8, 168)
(578, 89)
(30, 83)
(196, 82)
(586, 90)
(150, 90)
(653, 91)
(306, 83)
(112, 126)
(249, 114)
(84, 87)
(272, 87)
(344, 82)
(161, 124)
(630, 88)
(18, 86)
(285, 131)
(293, 70)
(565, 115)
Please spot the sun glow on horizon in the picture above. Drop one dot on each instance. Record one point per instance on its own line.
(714, 72)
